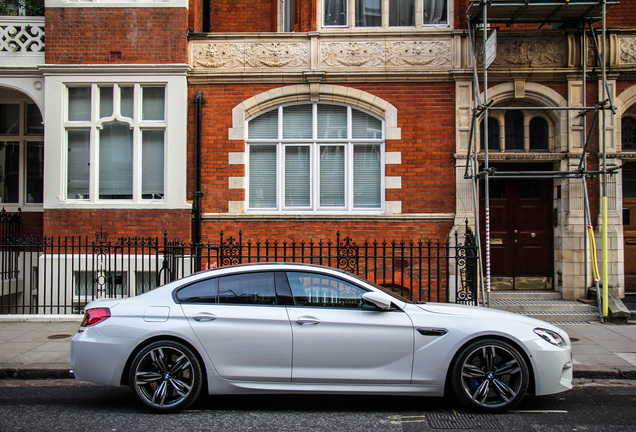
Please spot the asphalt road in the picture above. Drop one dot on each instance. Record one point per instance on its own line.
(69, 405)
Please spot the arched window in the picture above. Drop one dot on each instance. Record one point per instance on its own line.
(539, 134)
(315, 157)
(514, 130)
(493, 134)
(628, 133)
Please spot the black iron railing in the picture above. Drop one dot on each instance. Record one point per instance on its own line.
(59, 275)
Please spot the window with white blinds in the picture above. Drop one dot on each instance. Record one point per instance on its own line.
(315, 157)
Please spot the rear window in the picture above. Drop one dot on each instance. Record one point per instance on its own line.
(249, 288)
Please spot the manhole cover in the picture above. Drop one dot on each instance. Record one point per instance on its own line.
(59, 336)
(462, 421)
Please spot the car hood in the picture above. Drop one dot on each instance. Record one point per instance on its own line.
(483, 313)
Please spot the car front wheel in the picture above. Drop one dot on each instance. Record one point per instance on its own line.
(166, 376)
(490, 376)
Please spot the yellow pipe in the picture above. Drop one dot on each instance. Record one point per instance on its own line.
(594, 259)
(605, 270)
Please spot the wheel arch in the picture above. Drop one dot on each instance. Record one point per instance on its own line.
(125, 372)
(515, 344)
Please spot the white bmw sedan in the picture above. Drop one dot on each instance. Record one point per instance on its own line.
(265, 328)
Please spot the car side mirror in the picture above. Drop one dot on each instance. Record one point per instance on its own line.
(378, 300)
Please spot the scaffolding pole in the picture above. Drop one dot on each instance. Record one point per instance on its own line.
(511, 12)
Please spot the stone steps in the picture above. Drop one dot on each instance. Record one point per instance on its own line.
(544, 305)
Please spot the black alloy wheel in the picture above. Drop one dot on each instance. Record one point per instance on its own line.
(490, 376)
(166, 376)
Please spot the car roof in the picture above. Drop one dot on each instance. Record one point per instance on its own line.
(272, 266)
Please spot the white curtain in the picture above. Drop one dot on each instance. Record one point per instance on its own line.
(79, 103)
(152, 164)
(153, 103)
(335, 12)
(127, 95)
(115, 161)
(368, 13)
(105, 101)
(435, 11)
(78, 163)
(401, 13)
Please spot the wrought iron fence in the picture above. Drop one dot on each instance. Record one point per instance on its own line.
(60, 275)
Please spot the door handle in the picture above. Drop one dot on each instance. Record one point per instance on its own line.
(533, 235)
(204, 317)
(308, 320)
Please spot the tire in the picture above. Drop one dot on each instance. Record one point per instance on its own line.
(490, 376)
(166, 376)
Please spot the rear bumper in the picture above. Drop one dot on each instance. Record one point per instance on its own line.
(100, 362)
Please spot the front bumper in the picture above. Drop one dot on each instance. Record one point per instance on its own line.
(552, 366)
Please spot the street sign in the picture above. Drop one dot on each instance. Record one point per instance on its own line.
(491, 49)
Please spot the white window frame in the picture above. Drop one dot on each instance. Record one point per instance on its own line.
(418, 19)
(96, 123)
(59, 77)
(315, 144)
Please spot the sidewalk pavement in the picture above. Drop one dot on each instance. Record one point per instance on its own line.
(40, 347)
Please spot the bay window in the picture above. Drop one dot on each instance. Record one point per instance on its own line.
(315, 157)
(115, 140)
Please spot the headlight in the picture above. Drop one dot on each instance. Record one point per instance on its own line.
(550, 336)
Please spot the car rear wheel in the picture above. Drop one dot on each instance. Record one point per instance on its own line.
(490, 376)
(166, 376)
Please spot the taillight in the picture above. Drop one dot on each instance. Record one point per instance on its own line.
(95, 316)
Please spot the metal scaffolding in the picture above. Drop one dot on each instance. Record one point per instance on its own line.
(483, 16)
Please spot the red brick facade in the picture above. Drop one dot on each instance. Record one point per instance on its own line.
(195, 17)
(425, 116)
(228, 16)
(117, 223)
(325, 229)
(140, 35)
(622, 14)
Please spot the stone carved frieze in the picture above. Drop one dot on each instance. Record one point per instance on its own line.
(347, 54)
(373, 54)
(627, 47)
(218, 55)
(529, 52)
(419, 53)
(256, 55)
(391, 53)
(539, 52)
